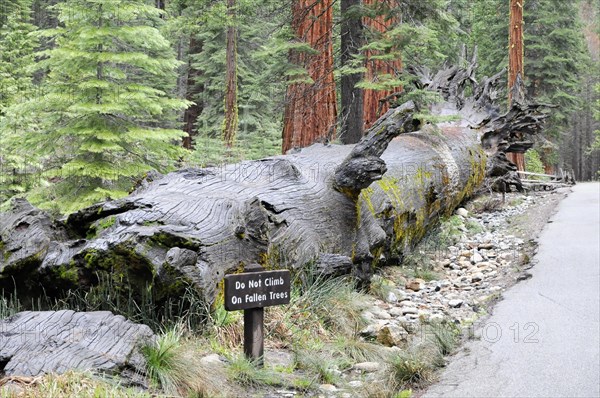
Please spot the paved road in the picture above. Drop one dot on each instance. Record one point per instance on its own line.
(542, 339)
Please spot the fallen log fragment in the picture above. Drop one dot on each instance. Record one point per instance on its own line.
(37, 343)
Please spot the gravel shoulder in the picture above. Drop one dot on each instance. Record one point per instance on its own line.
(543, 338)
(453, 278)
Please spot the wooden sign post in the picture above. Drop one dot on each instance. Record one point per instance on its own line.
(251, 291)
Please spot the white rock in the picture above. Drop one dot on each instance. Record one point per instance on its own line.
(396, 311)
(211, 360)
(476, 258)
(409, 310)
(455, 303)
(368, 316)
(445, 262)
(461, 211)
(367, 367)
(380, 313)
(328, 388)
(391, 297)
(373, 328)
(355, 383)
(476, 277)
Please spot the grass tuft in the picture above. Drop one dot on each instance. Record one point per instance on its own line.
(175, 365)
(445, 336)
(247, 374)
(410, 369)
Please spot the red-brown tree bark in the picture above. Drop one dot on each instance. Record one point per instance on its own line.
(515, 63)
(310, 111)
(373, 108)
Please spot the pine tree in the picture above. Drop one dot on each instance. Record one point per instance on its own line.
(260, 59)
(399, 34)
(230, 124)
(16, 56)
(16, 52)
(555, 56)
(107, 106)
(489, 32)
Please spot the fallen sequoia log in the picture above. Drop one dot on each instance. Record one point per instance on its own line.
(35, 343)
(330, 208)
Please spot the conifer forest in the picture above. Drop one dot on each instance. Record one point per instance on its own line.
(94, 94)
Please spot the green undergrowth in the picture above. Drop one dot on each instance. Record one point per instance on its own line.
(319, 330)
(189, 308)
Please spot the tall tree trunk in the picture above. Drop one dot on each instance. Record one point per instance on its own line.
(352, 97)
(231, 108)
(515, 63)
(375, 104)
(192, 90)
(310, 111)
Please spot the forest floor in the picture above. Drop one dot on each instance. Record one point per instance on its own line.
(389, 340)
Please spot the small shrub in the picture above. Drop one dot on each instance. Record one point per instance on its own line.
(328, 306)
(533, 163)
(404, 394)
(450, 230)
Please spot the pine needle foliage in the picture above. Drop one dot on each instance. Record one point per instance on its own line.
(16, 55)
(106, 111)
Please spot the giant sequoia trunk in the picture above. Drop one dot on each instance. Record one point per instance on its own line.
(377, 102)
(310, 109)
(515, 66)
(329, 208)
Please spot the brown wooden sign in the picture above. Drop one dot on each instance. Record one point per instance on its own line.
(257, 289)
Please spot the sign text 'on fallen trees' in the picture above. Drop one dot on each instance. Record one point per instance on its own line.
(257, 289)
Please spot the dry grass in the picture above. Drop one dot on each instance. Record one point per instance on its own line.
(68, 385)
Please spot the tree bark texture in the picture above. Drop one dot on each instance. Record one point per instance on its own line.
(310, 111)
(230, 124)
(375, 104)
(193, 89)
(351, 96)
(330, 208)
(515, 65)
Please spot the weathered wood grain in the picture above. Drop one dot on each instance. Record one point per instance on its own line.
(362, 205)
(36, 343)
